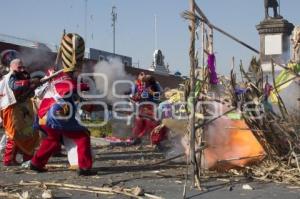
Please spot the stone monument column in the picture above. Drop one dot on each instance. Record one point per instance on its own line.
(274, 42)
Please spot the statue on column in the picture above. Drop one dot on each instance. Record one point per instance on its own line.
(271, 4)
(158, 58)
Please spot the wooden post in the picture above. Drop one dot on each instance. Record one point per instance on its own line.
(192, 93)
(211, 40)
(203, 46)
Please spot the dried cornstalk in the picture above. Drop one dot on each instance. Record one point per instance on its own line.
(8, 195)
(296, 159)
(281, 105)
(275, 172)
(91, 189)
(193, 161)
(86, 190)
(56, 166)
(152, 196)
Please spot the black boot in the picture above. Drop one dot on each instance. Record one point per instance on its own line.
(159, 147)
(34, 168)
(137, 141)
(86, 172)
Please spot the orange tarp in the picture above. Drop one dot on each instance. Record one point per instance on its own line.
(231, 144)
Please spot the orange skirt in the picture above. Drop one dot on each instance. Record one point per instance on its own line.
(18, 125)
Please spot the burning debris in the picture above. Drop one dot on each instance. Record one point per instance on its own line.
(247, 130)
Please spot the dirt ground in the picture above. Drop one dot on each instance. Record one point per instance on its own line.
(128, 167)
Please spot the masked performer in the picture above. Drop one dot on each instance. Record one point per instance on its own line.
(146, 120)
(57, 114)
(138, 88)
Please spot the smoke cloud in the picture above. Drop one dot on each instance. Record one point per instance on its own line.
(40, 58)
(113, 72)
(291, 102)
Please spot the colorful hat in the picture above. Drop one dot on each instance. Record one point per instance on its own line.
(72, 47)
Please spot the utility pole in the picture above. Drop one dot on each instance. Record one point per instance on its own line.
(85, 22)
(155, 32)
(114, 19)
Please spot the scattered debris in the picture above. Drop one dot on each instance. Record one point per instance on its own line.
(138, 191)
(135, 192)
(152, 196)
(247, 187)
(47, 194)
(24, 195)
(178, 182)
(9, 195)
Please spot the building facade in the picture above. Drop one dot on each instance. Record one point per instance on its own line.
(100, 55)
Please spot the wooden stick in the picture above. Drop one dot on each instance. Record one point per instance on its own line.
(203, 49)
(286, 68)
(56, 166)
(201, 13)
(30, 183)
(247, 129)
(45, 79)
(210, 121)
(231, 37)
(281, 105)
(223, 32)
(241, 158)
(287, 81)
(296, 159)
(186, 178)
(108, 189)
(9, 195)
(80, 188)
(127, 194)
(153, 196)
(86, 190)
(192, 85)
(35, 183)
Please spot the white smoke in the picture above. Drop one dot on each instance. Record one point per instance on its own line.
(179, 144)
(290, 96)
(112, 71)
(37, 58)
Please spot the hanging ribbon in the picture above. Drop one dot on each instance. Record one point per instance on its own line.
(211, 64)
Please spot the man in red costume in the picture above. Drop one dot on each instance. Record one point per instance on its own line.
(16, 109)
(138, 87)
(57, 114)
(146, 120)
